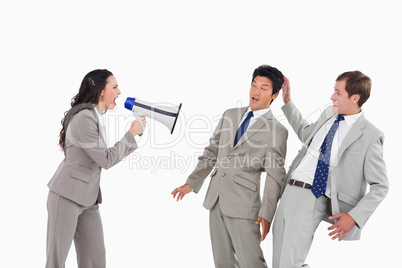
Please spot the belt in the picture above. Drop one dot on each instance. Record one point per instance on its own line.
(300, 184)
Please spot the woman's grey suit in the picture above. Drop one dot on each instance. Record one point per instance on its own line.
(75, 192)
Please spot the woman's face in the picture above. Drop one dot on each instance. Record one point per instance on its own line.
(110, 93)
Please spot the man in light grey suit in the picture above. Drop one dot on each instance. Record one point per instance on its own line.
(342, 154)
(236, 162)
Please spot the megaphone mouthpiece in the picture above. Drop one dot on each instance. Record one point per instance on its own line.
(129, 103)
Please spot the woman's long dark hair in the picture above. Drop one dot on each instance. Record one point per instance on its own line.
(88, 96)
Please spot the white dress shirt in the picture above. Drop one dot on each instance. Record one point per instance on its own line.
(256, 115)
(306, 170)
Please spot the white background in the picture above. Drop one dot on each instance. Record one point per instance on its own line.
(202, 54)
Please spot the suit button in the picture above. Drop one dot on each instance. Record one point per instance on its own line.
(223, 174)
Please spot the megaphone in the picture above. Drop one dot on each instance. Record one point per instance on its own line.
(165, 114)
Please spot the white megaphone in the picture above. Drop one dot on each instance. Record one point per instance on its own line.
(165, 114)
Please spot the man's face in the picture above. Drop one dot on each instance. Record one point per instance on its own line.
(261, 93)
(342, 103)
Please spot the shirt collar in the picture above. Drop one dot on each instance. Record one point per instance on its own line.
(351, 119)
(258, 113)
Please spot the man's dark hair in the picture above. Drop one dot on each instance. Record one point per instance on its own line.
(272, 74)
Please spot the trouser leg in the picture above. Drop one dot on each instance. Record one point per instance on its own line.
(298, 216)
(89, 240)
(222, 247)
(235, 242)
(62, 222)
(246, 239)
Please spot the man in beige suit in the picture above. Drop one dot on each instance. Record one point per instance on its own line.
(237, 161)
(328, 179)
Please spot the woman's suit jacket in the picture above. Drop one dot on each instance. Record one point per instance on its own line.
(78, 175)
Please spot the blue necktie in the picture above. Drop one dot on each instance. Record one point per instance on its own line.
(321, 173)
(243, 127)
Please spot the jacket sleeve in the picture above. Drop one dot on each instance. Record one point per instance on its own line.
(83, 132)
(302, 128)
(376, 176)
(275, 168)
(207, 160)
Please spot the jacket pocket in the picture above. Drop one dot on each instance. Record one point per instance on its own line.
(347, 199)
(80, 174)
(245, 183)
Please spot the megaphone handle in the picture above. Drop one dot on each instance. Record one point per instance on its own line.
(137, 115)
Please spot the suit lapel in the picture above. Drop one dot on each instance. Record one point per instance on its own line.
(99, 125)
(254, 128)
(236, 118)
(354, 133)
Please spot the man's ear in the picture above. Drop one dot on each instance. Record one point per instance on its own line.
(356, 98)
(274, 96)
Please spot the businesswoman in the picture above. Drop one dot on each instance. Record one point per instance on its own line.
(74, 192)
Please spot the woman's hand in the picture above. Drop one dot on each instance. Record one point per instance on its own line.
(138, 126)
